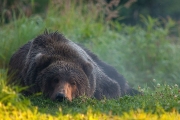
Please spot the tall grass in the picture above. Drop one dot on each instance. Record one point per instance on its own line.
(146, 53)
(140, 53)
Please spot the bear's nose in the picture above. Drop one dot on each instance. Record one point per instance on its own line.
(60, 97)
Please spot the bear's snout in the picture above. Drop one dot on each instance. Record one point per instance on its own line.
(63, 91)
(60, 97)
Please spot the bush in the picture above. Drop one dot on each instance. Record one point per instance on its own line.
(144, 53)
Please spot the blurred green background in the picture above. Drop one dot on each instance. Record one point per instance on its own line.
(128, 10)
(139, 38)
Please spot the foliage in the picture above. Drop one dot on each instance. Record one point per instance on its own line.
(11, 95)
(9, 9)
(131, 10)
(126, 11)
(16, 34)
(147, 53)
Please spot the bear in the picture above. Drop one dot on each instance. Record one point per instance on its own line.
(63, 70)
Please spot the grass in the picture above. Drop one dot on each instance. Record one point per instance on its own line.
(162, 102)
(163, 98)
(35, 115)
(146, 55)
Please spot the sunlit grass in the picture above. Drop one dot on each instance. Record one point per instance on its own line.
(10, 112)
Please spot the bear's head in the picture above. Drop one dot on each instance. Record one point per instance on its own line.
(60, 79)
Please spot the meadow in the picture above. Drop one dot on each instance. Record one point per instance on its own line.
(147, 55)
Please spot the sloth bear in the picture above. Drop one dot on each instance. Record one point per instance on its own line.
(62, 69)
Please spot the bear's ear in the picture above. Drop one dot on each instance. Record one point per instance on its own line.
(87, 68)
(42, 61)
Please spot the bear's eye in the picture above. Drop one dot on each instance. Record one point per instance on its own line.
(73, 83)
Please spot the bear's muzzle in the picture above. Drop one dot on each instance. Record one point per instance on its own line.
(60, 97)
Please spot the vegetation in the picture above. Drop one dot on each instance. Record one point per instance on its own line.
(147, 55)
(161, 103)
